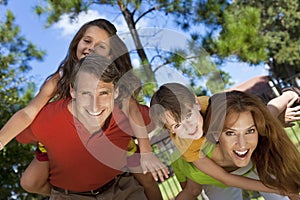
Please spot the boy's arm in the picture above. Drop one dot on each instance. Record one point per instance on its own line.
(149, 162)
(209, 167)
(23, 118)
(278, 104)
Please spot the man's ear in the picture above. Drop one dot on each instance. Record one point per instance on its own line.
(116, 92)
(72, 91)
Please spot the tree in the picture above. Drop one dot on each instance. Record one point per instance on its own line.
(15, 54)
(133, 11)
(256, 32)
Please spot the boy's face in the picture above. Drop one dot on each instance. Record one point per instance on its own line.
(93, 101)
(190, 127)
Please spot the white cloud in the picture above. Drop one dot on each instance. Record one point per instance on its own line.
(69, 28)
(135, 63)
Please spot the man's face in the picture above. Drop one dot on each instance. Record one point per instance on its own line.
(190, 127)
(93, 101)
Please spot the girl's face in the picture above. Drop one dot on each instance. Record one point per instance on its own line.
(93, 38)
(190, 126)
(239, 138)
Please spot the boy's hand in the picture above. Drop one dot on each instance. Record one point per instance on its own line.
(150, 163)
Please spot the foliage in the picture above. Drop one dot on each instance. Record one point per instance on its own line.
(133, 11)
(15, 54)
(256, 32)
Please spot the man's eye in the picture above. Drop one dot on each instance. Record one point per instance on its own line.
(103, 93)
(189, 115)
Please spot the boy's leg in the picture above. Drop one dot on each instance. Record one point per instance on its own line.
(151, 188)
(190, 190)
(35, 177)
(219, 193)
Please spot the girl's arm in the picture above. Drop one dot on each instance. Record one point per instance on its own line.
(209, 167)
(23, 118)
(149, 162)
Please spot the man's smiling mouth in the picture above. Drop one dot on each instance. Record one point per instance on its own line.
(95, 113)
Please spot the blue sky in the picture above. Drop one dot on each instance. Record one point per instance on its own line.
(55, 40)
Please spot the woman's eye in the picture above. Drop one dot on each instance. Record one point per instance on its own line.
(229, 133)
(251, 131)
(87, 41)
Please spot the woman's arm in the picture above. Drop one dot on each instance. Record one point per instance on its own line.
(149, 162)
(23, 118)
(209, 167)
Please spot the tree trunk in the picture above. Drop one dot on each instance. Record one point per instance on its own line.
(150, 77)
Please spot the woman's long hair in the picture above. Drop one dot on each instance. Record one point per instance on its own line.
(276, 157)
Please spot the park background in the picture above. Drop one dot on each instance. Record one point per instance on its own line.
(247, 43)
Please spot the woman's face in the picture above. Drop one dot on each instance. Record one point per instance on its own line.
(239, 138)
(190, 126)
(96, 39)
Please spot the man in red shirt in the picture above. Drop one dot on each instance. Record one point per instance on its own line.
(86, 137)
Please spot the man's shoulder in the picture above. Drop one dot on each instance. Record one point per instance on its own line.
(54, 108)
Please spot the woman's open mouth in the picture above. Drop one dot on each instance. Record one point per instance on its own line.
(241, 154)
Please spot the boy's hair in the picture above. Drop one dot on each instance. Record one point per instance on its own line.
(104, 69)
(172, 97)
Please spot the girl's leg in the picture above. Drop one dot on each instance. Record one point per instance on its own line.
(35, 177)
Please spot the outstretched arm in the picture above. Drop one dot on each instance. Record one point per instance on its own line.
(209, 167)
(23, 118)
(149, 162)
(279, 104)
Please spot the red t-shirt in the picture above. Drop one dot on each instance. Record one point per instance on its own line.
(79, 161)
